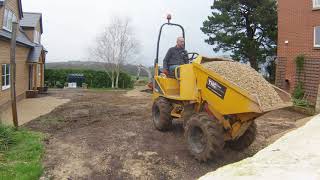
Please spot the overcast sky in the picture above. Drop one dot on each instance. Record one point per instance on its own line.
(71, 26)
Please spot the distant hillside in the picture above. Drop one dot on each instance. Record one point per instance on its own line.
(130, 69)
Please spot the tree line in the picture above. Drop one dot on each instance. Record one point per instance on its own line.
(57, 78)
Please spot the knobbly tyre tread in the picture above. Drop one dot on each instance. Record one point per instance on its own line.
(214, 136)
(164, 122)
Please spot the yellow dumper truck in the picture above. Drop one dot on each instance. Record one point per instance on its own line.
(214, 110)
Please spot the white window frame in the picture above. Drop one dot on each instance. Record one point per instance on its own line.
(8, 18)
(5, 85)
(314, 37)
(315, 5)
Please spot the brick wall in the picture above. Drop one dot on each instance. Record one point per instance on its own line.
(22, 77)
(281, 73)
(296, 25)
(310, 77)
(296, 20)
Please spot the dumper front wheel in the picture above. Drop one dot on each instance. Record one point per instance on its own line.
(245, 140)
(205, 137)
(161, 114)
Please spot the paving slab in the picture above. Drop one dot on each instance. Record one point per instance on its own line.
(29, 109)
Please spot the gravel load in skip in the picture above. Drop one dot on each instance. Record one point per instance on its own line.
(248, 79)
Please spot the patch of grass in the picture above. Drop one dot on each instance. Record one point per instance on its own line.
(22, 159)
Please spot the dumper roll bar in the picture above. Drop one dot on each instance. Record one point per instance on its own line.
(160, 33)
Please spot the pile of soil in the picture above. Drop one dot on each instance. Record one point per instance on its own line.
(248, 79)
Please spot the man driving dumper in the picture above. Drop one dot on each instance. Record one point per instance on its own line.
(175, 57)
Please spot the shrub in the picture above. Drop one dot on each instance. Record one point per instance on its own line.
(301, 103)
(59, 84)
(94, 79)
(298, 92)
(6, 137)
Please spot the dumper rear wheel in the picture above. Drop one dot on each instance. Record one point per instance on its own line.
(205, 137)
(245, 140)
(161, 114)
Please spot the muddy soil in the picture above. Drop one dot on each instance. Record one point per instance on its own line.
(110, 135)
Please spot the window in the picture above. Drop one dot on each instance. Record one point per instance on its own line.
(316, 3)
(36, 37)
(317, 36)
(5, 80)
(8, 18)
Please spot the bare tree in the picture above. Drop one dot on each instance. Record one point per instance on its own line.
(115, 46)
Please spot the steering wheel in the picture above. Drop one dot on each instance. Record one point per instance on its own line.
(192, 56)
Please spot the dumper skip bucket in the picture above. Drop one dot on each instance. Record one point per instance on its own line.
(227, 97)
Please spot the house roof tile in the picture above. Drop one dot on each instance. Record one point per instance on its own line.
(21, 37)
(31, 20)
(35, 54)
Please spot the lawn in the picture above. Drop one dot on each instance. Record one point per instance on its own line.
(20, 154)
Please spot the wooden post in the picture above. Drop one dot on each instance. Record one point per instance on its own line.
(13, 74)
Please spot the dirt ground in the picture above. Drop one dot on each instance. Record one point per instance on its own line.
(110, 135)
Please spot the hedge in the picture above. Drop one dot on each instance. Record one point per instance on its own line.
(94, 79)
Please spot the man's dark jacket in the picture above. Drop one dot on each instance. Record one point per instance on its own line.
(175, 56)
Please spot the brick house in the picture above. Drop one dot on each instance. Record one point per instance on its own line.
(299, 33)
(30, 54)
